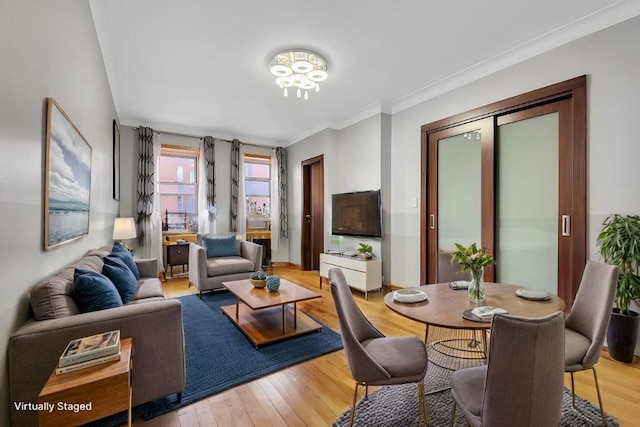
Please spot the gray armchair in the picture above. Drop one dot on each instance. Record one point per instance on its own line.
(586, 325)
(207, 274)
(523, 381)
(373, 358)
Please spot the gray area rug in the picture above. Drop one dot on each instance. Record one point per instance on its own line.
(398, 406)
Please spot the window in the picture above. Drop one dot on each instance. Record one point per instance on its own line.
(257, 187)
(179, 196)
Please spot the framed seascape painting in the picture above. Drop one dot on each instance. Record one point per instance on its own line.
(116, 161)
(67, 180)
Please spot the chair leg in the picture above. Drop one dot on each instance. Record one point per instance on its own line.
(453, 415)
(353, 405)
(595, 378)
(423, 413)
(573, 392)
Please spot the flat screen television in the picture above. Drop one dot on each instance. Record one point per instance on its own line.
(357, 214)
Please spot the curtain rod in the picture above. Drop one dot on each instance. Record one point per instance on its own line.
(202, 137)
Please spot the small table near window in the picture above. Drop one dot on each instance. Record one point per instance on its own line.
(175, 252)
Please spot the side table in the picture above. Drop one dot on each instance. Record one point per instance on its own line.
(85, 395)
(175, 254)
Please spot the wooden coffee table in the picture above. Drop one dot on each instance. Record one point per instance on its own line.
(266, 317)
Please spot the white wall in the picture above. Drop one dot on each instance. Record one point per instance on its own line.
(40, 57)
(610, 60)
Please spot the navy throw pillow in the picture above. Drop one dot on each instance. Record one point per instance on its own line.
(123, 279)
(93, 291)
(122, 253)
(220, 246)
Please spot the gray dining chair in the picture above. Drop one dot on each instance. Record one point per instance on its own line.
(586, 325)
(373, 358)
(523, 381)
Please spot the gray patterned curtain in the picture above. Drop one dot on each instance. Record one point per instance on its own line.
(145, 184)
(281, 155)
(210, 167)
(235, 180)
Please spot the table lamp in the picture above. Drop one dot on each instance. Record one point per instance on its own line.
(124, 229)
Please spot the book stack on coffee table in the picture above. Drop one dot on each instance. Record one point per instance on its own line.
(90, 351)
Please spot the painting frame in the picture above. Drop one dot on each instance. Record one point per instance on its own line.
(116, 160)
(67, 180)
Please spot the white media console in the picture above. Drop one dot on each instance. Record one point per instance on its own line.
(362, 274)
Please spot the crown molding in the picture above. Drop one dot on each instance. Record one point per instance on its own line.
(614, 14)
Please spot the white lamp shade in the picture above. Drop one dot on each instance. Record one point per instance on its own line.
(124, 228)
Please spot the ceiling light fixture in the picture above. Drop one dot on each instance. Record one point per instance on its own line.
(301, 68)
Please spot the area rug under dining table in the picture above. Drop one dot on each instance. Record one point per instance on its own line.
(398, 406)
(219, 357)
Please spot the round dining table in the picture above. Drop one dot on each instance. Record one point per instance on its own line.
(459, 342)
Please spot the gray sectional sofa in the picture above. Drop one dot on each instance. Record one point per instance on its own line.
(154, 323)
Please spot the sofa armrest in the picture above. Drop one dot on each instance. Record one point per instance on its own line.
(252, 252)
(158, 346)
(197, 266)
(148, 267)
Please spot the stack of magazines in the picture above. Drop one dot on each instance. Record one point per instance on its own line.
(90, 351)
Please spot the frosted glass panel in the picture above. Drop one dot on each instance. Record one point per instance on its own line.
(527, 203)
(459, 195)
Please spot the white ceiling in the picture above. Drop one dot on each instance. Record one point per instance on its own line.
(200, 67)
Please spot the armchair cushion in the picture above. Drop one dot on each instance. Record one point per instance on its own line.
(220, 246)
(93, 291)
(222, 266)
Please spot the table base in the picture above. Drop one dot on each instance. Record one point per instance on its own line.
(265, 325)
(455, 349)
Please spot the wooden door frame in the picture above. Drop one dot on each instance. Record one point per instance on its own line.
(573, 90)
(314, 204)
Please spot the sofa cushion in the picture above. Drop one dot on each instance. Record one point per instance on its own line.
(122, 253)
(220, 246)
(221, 266)
(147, 288)
(117, 271)
(93, 291)
(51, 298)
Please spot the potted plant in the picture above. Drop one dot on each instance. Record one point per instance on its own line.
(619, 245)
(366, 251)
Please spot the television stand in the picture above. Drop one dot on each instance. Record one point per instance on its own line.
(362, 274)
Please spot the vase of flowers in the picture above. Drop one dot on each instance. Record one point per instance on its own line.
(473, 260)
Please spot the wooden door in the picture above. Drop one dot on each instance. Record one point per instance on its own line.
(312, 212)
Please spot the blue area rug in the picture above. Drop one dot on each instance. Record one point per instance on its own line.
(219, 356)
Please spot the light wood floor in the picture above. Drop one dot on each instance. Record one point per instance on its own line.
(316, 392)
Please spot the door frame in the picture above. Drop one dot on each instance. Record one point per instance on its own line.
(574, 163)
(312, 241)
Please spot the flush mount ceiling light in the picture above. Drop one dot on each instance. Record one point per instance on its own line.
(301, 68)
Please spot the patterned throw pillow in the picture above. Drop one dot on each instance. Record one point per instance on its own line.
(93, 291)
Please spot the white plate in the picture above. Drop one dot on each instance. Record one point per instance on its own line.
(533, 295)
(409, 295)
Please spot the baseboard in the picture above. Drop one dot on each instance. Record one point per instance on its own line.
(287, 265)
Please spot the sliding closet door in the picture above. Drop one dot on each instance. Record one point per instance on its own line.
(532, 188)
(534, 198)
(460, 211)
(527, 196)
